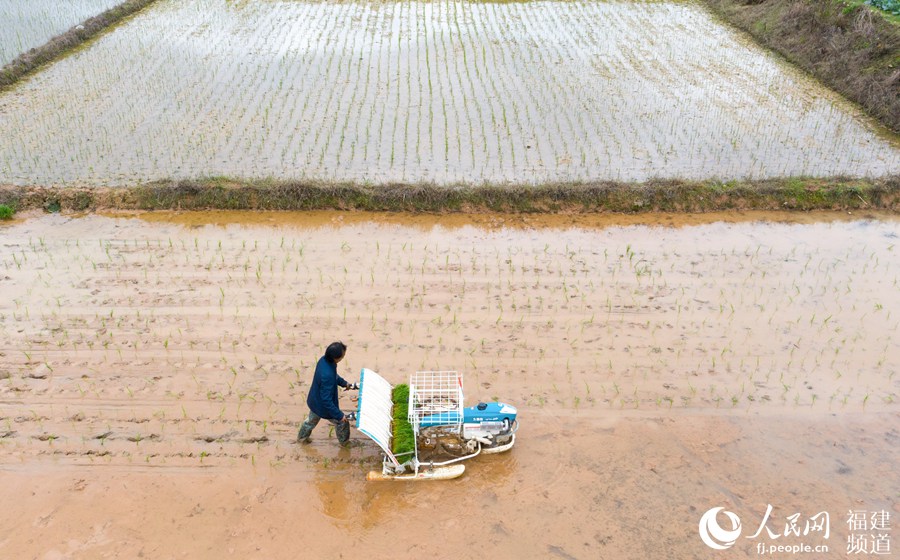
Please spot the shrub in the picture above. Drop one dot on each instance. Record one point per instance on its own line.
(6, 213)
(889, 6)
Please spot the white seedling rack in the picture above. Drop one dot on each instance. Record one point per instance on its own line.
(374, 415)
(438, 397)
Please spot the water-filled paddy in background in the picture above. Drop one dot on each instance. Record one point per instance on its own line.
(429, 91)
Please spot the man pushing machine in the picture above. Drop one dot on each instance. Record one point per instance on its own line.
(323, 396)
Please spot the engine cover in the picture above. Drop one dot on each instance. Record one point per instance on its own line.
(488, 420)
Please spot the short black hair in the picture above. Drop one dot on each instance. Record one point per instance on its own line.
(335, 351)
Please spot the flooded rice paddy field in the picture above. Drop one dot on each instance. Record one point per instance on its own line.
(30, 24)
(429, 91)
(660, 369)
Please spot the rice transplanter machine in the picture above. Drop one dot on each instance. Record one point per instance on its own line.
(445, 433)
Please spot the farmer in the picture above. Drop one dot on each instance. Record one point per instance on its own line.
(323, 396)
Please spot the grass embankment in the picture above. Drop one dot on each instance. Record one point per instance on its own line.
(30, 61)
(654, 196)
(852, 48)
(404, 440)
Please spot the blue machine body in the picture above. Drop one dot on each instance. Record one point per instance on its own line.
(482, 413)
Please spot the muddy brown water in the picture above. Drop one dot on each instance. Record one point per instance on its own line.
(154, 370)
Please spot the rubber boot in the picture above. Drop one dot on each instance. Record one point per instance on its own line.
(306, 428)
(343, 433)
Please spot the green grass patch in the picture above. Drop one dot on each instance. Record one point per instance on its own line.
(6, 213)
(404, 439)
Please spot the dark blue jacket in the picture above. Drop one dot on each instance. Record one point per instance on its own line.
(323, 394)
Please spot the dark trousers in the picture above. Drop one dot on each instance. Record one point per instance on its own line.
(342, 429)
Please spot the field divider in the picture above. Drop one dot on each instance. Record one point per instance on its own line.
(801, 194)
